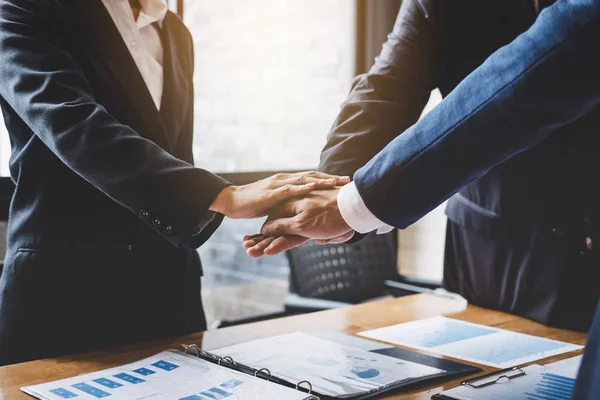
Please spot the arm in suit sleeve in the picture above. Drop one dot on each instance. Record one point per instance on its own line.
(388, 99)
(209, 221)
(44, 85)
(546, 78)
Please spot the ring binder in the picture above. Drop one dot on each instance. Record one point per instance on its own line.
(275, 363)
(494, 377)
(263, 373)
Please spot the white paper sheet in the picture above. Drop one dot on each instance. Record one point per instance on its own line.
(471, 342)
(554, 381)
(568, 367)
(333, 369)
(168, 375)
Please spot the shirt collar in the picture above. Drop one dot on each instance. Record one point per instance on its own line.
(152, 11)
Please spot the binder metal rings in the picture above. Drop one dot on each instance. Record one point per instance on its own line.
(188, 347)
(264, 371)
(227, 359)
(198, 352)
(310, 388)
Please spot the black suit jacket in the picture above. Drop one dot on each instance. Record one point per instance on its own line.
(107, 201)
(517, 235)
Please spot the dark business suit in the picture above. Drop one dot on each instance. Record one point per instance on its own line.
(524, 93)
(516, 237)
(108, 207)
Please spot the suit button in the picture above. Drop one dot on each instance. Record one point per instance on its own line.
(145, 214)
(130, 247)
(168, 230)
(157, 222)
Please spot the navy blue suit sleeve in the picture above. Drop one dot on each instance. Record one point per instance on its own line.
(546, 78)
(391, 96)
(46, 88)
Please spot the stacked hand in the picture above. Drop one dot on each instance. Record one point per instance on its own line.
(300, 206)
(314, 215)
(262, 197)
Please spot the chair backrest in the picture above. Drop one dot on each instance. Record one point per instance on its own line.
(344, 272)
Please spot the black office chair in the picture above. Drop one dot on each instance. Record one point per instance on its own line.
(345, 273)
(334, 276)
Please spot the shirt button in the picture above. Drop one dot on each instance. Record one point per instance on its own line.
(133, 45)
(157, 222)
(144, 213)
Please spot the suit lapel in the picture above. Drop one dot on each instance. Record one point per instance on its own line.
(104, 37)
(174, 105)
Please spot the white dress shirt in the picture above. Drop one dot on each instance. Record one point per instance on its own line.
(356, 214)
(142, 39)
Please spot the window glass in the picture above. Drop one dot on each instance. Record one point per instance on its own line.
(270, 76)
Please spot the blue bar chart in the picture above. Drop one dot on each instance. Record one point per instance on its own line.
(553, 387)
(169, 375)
(485, 345)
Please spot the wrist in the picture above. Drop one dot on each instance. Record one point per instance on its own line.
(354, 211)
(223, 201)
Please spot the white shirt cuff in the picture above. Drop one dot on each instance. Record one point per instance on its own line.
(356, 214)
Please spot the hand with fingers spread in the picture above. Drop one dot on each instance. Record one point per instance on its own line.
(258, 198)
(297, 220)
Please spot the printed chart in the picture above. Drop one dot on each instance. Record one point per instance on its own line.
(168, 375)
(471, 342)
(332, 368)
(551, 382)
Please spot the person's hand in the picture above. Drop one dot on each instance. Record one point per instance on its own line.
(259, 245)
(256, 199)
(314, 216)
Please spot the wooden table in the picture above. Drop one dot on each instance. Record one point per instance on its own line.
(348, 320)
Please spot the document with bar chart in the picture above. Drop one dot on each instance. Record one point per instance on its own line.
(537, 382)
(168, 375)
(471, 342)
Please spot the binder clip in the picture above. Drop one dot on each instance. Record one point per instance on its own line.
(503, 376)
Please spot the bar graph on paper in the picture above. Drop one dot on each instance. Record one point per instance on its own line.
(538, 383)
(552, 386)
(471, 342)
(167, 375)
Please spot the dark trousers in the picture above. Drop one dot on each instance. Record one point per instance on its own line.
(547, 278)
